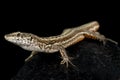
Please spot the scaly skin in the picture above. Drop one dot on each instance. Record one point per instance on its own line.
(52, 44)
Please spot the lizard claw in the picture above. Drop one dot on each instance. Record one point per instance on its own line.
(67, 61)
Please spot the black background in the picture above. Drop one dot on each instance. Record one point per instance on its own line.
(47, 22)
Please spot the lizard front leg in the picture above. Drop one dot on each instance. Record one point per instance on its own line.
(31, 55)
(66, 59)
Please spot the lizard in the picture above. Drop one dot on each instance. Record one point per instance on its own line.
(68, 37)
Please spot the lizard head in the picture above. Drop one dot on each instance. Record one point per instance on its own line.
(19, 38)
(27, 41)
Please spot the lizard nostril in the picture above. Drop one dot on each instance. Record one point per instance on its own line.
(5, 37)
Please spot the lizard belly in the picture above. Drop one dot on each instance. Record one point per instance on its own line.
(47, 49)
(50, 48)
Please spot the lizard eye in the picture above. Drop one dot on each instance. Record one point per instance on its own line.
(30, 38)
(18, 34)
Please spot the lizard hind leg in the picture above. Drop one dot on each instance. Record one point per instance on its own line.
(31, 55)
(98, 36)
(65, 31)
(66, 59)
(95, 35)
